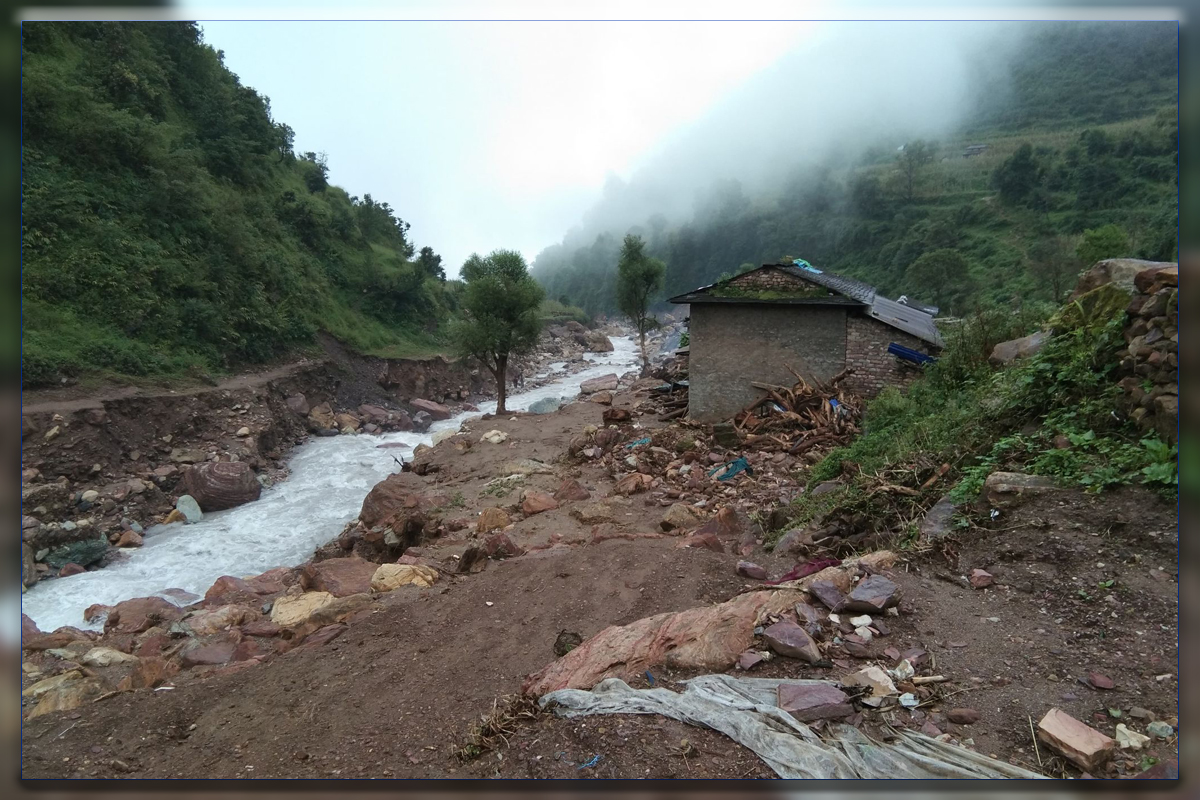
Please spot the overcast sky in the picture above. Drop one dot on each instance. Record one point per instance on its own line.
(492, 134)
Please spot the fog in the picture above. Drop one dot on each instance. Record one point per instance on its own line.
(851, 86)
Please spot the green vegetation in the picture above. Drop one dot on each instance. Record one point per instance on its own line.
(1050, 414)
(1084, 136)
(500, 314)
(639, 277)
(170, 229)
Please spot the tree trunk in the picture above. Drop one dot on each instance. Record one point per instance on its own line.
(645, 360)
(501, 384)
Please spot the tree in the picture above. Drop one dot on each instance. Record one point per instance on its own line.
(1051, 264)
(943, 277)
(913, 156)
(430, 264)
(499, 314)
(1018, 176)
(638, 278)
(1098, 244)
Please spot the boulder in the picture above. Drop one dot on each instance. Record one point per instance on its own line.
(298, 404)
(1121, 272)
(217, 485)
(492, 519)
(474, 559)
(321, 417)
(678, 516)
(873, 594)
(388, 498)
(603, 383)
(290, 611)
(494, 437)
(709, 638)
(435, 411)
(189, 509)
(593, 513)
(216, 620)
(547, 405)
(499, 546)
(597, 343)
(1164, 274)
(208, 653)
(68, 696)
(340, 577)
(129, 539)
(142, 613)
(347, 422)
(809, 702)
(534, 502)
(794, 543)
(752, 571)
(106, 657)
(569, 490)
(36, 690)
(375, 414)
(603, 398)
(938, 520)
(1007, 352)
(421, 421)
(392, 576)
(788, 639)
(70, 569)
(1084, 746)
(1008, 488)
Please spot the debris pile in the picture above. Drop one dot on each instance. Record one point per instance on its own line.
(802, 417)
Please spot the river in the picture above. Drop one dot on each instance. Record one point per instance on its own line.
(329, 477)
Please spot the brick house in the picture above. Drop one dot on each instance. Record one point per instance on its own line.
(753, 327)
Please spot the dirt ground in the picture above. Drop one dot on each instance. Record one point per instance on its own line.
(397, 693)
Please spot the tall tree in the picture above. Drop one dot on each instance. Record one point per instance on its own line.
(913, 156)
(499, 314)
(430, 264)
(1053, 265)
(943, 277)
(639, 277)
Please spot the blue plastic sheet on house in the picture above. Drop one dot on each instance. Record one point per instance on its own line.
(739, 464)
(632, 445)
(907, 354)
(802, 264)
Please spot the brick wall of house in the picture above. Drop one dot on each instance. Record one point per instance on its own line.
(867, 341)
(770, 279)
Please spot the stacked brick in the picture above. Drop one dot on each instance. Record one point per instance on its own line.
(867, 341)
(1149, 363)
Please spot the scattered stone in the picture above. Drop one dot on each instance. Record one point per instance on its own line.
(752, 571)
(141, 614)
(829, 594)
(570, 489)
(534, 502)
(788, 639)
(594, 513)
(500, 546)
(1138, 712)
(603, 398)
(474, 559)
(339, 577)
(981, 579)
(633, 483)
(492, 519)
(68, 696)
(525, 466)
(794, 543)
(565, 642)
(106, 657)
(392, 576)
(872, 594)
(705, 541)
(434, 410)
(1128, 739)
(1098, 681)
(860, 621)
(1006, 352)
(1007, 488)
(615, 416)
(963, 716)
(70, 569)
(812, 701)
(725, 435)
(751, 657)
(604, 383)
(187, 506)
(874, 678)
(1160, 730)
(494, 437)
(680, 515)
(1080, 744)
(938, 521)
(129, 538)
(212, 653)
(290, 611)
(298, 404)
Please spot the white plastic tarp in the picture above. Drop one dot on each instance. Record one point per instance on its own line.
(746, 710)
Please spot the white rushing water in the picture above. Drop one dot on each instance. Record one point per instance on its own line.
(328, 481)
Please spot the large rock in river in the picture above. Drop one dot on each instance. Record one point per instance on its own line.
(434, 410)
(218, 485)
(604, 383)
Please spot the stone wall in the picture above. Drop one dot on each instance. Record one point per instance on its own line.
(771, 279)
(867, 341)
(1150, 362)
(733, 344)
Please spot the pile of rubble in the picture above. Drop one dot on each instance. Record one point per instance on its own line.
(802, 417)
(1150, 361)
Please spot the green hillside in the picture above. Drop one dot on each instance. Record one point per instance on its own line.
(1096, 105)
(170, 229)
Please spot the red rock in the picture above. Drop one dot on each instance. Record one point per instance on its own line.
(147, 674)
(216, 652)
(873, 594)
(1084, 746)
(614, 416)
(218, 485)
(492, 519)
(569, 490)
(142, 613)
(473, 559)
(788, 639)
(499, 546)
(388, 498)
(95, 612)
(633, 483)
(70, 569)
(829, 594)
(129, 539)
(963, 716)
(152, 644)
(534, 502)
(749, 658)
(341, 577)
(260, 627)
(325, 635)
(751, 571)
(981, 579)
(273, 580)
(1098, 681)
(603, 398)
(812, 701)
(931, 730)
(29, 628)
(298, 404)
(704, 541)
(434, 410)
(59, 637)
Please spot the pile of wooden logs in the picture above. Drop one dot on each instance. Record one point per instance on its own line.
(799, 418)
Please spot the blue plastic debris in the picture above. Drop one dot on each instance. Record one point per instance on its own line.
(907, 354)
(632, 445)
(649, 677)
(739, 464)
(593, 762)
(802, 264)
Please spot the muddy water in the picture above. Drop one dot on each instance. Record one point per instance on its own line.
(328, 481)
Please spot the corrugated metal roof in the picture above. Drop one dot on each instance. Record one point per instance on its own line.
(862, 292)
(906, 318)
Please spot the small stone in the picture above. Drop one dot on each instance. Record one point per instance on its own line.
(789, 639)
(1160, 730)
(1084, 746)
(864, 633)
(70, 569)
(90, 496)
(1142, 713)
(829, 594)
(963, 716)
(1098, 681)
(981, 579)
(812, 701)
(749, 658)
(873, 594)
(860, 621)
(1129, 739)
(752, 571)
(243, 431)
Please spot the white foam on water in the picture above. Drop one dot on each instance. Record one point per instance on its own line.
(328, 481)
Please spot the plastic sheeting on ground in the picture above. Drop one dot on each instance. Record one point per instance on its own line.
(745, 710)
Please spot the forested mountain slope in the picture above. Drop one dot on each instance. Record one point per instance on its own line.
(1081, 134)
(169, 227)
